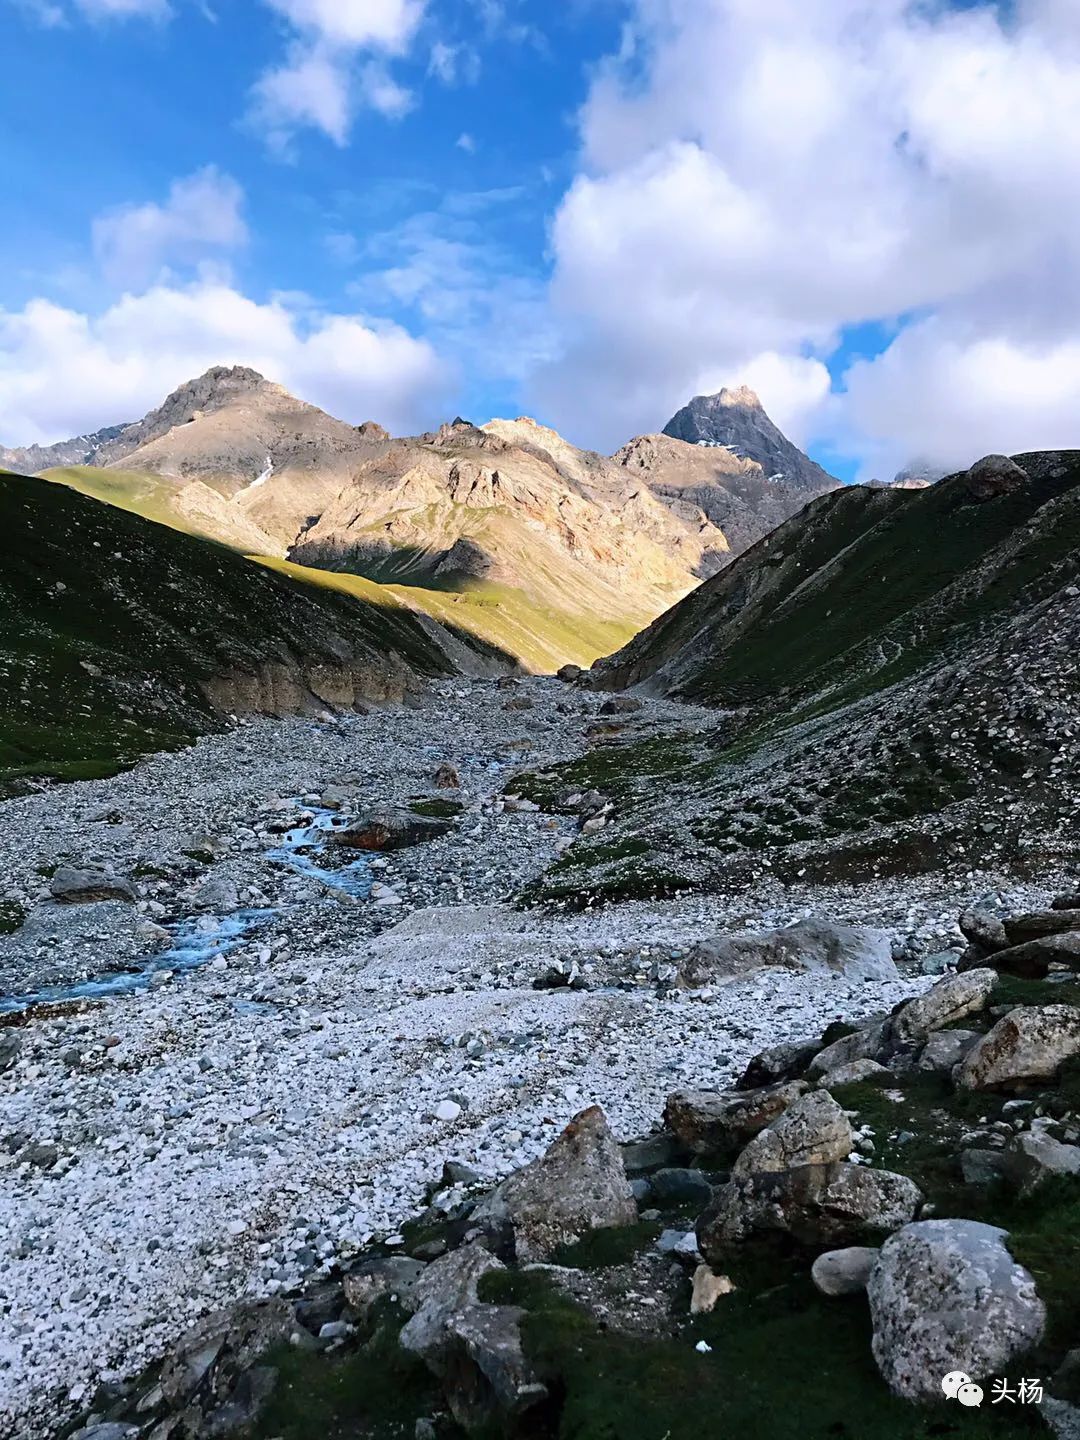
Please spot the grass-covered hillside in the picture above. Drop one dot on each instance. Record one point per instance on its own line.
(118, 636)
(897, 678)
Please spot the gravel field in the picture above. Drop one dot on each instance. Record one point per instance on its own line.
(201, 1137)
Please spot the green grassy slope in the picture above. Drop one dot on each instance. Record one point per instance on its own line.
(540, 637)
(110, 626)
(897, 677)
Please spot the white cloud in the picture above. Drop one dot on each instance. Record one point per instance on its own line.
(454, 64)
(324, 81)
(759, 175)
(387, 25)
(202, 217)
(466, 142)
(63, 372)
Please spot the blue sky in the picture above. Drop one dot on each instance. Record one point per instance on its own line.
(584, 210)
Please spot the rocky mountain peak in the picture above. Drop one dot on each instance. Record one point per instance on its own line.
(735, 420)
(740, 397)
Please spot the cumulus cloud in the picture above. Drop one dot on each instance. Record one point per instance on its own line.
(202, 217)
(757, 176)
(335, 64)
(63, 372)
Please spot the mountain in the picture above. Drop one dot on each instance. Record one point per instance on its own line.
(896, 681)
(736, 420)
(118, 636)
(82, 450)
(554, 553)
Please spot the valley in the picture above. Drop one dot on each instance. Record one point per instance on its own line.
(398, 1039)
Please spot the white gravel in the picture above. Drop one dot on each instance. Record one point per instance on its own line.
(224, 1135)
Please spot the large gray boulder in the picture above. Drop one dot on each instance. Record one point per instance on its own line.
(786, 1061)
(1035, 1156)
(473, 1348)
(1032, 960)
(706, 1121)
(577, 1186)
(949, 1000)
(945, 1049)
(71, 886)
(817, 946)
(994, 476)
(946, 1295)
(812, 1131)
(1029, 1044)
(842, 1204)
(872, 1042)
(1022, 929)
(390, 830)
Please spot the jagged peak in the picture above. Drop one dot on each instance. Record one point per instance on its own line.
(740, 396)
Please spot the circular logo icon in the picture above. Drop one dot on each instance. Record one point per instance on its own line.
(952, 1382)
(970, 1394)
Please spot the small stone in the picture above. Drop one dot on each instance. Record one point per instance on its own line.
(447, 1110)
(708, 1288)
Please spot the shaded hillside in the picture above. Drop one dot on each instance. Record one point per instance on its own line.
(118, 636)
(897, 679)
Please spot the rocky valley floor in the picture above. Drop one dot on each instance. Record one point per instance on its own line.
(249, 1074)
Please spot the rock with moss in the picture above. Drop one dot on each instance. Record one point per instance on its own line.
(812, 1131)
(577, 1186)
(840, 1204)
(390, 830)
(949, 1000)
(712, 1121)
(855, 1072)
(1028, 1045)
(947, 1295)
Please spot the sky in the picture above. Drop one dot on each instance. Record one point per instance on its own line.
(583, 210)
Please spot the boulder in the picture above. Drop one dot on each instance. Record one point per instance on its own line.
(1021, 929)
(568, 674)
(810, 946)
(474, 1348)
(447, 1286)
(70, 886)
(840, 1204)
(577, 1186)
(621, 705)
(950, 999)
(984, 930)
(10, 1049)
(447, 777)
(870, 1043)
(844, 1272)
(1032, 960)
(1035, 1157)
(681, 1187)
(503, 1381)
(855, 1072)
(706, 1121)
(982, 1167)
(1029, 1044)
(386, 1275)
(994, 476)
(780, 1062)
(812, 1131)
(946, 1295)
(945, 1049)
(1069, 901)
(390, 830)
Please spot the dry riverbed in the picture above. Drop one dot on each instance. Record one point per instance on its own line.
(185, 1137)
